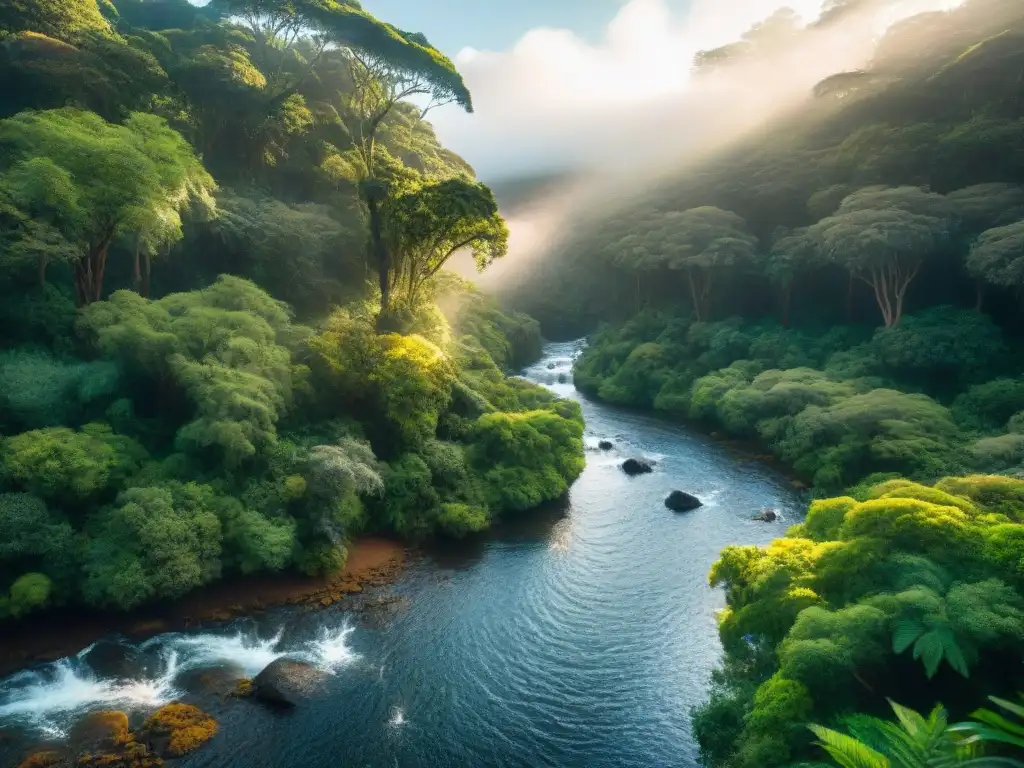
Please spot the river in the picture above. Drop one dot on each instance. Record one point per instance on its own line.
(581, 635)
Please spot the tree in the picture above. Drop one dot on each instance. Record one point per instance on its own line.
(386, 66)
(92, 180)
(793, 254)
(997, 257)
(704, 242)
(428, 225)
(883, 236)
(62, 19)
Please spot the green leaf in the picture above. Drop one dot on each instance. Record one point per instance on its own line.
(848, 751)
(930, 650)
(907, 631)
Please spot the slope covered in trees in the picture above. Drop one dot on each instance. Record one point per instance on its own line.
(842, 290)
(222, 232)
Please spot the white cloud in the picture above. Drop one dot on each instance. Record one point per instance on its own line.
(555, 100)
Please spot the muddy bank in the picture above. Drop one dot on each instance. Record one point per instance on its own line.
(372, 562)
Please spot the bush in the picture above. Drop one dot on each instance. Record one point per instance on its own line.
(901, 596)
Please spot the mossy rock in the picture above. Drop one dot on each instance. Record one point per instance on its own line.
(101, 731)
(177, 730)
(45, 759)
(243, 689)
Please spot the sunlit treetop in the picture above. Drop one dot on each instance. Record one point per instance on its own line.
(347, 25)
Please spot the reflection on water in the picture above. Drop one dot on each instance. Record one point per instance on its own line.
(580, 634)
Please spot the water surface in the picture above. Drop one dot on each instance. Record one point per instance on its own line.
(580, 635)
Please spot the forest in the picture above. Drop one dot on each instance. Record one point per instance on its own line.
(842, 289)
(222, 231)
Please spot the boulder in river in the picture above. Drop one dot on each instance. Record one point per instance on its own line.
(767, 516)
(606, 445)
(680, 501)
(285, 682)
(109, 659)
(633, 467)
(176, 730)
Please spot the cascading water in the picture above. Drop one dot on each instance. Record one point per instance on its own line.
(48, 699)
(580, 634)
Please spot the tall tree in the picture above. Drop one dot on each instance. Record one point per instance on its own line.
(793, 253)
(883, 236)
(428, 225)
(386, 66)
(91, 180)
(997, 257)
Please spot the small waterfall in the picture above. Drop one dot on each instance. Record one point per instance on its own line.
(48, 699)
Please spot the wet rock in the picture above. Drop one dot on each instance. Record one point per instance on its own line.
(286, 682)
(177, 730)
(633, 467)
(606, 445)
(551, 366)
(45, 759)
(680, 501)
(243, 689)
(563, 379)
(100, 731)
(114, 660)
(767, 516)
(215, 681)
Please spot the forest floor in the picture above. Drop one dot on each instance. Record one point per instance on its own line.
(372, 562)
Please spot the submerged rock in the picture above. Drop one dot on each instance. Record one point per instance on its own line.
(114, 660)
(177, 730)
(606, 445)
(680, 501)
(285, 682)
(215, 681)
(634, 467)
(767, 516)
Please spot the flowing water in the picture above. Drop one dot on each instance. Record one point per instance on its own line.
(580, 635)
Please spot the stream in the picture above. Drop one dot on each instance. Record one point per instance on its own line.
(579, 635)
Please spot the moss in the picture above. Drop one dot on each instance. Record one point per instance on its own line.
(243, 689)
(178, 729)
(44, 759)
(106, 730)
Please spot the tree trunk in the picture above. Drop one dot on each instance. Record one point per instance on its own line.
(379, 250)
(694, 294)
(787, 301)
(849, 300)
(979, 295)
(147, 268)
(136, 267)
(42, 271)
(88, 271)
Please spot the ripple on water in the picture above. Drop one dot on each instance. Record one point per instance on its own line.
(579, 641)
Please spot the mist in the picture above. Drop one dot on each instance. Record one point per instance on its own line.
(612, 119)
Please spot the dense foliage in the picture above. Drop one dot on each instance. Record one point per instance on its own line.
(841, 289)
(208, 220)
(908, 592)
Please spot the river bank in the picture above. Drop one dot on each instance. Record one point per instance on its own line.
(372, 562)
(580, 634)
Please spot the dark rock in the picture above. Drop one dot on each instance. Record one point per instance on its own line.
(563, 379)
(679, 501)
(216, 681)
(767, 516)
(633, 467)
(551, 366)
(110, 659)
(286, 682)
(606, 445)
(100, 731)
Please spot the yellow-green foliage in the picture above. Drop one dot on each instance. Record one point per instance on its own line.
(911, 589)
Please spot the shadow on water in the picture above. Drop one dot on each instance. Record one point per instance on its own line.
(533, 527)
